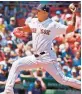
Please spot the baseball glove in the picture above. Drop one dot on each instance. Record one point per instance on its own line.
(20, 32)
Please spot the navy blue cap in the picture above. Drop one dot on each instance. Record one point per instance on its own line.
(43, 7)
(5, 68)
(54, 42)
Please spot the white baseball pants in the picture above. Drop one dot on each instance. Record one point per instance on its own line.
(51, 66)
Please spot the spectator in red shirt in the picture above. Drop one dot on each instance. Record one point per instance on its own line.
(65, 11)
(1, 56)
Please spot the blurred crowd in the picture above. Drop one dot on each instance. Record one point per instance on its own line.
(67, 47)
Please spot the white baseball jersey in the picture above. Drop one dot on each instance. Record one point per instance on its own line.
(44, 32)
(28, 20)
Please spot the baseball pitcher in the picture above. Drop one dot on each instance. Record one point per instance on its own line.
(43, 32)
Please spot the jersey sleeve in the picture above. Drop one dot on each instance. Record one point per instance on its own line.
(26, 21)
(58, 28)
(31, 21)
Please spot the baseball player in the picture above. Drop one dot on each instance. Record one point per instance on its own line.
(43, 31)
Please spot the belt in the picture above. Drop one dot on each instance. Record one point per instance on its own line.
(37, 55)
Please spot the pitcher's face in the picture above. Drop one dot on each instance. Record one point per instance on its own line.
(42, 15)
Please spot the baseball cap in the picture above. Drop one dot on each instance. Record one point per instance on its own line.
(73, 70)
(43, 7)
(59, 59)
(66, 67)
(62, 62)
(7, 50)
(5, 68)
(58, 12)
(62, 47)
(12, 18)
(9, 42)
(54, 42)
(68, 15)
